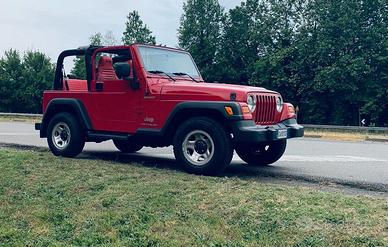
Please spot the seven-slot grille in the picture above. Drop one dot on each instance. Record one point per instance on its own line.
(265, 109)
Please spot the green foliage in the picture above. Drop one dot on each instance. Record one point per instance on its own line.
(38, 73)
(96, 39)
(330, 58)
(10, 78)
(237, 53)
(23, 80)
(79, 68)
(136, 31)
(200, 31)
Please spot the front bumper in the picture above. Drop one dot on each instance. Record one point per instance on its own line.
(248, 132)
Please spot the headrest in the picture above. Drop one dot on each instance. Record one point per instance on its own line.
(105, 61)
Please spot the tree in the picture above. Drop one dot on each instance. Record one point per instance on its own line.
(10, 78)
(330, 58)
(109, 39)
(23, 80)
(79, 68)
(96, 39)
(348, 38)
(243, 35)
(199, 33)
(38, 75)
(136, 31)
(276, 28)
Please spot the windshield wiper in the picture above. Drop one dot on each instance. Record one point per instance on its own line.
(181, 73)
(161, 72)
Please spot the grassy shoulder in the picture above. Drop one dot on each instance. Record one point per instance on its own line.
(46, 200)
(345, 136)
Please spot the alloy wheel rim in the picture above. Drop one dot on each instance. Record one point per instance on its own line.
(198, 147)
(61, 135)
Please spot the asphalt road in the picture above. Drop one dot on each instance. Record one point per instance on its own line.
(362, 165)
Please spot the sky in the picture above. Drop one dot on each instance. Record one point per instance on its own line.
(52, 26)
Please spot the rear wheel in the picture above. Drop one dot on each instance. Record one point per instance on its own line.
(65, 136)
(262, 154)
(202, 146)
(127, 146)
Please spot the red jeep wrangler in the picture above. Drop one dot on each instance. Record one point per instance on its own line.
(142, 95)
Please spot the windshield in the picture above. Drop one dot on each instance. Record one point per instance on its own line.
(168, 61)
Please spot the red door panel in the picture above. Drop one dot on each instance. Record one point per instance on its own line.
(117, 107)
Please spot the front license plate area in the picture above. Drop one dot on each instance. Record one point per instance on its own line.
(282, 134)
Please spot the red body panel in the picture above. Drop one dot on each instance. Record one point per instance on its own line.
(75, 85)
(118, 108)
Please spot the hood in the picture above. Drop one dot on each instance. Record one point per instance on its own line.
(207, 91)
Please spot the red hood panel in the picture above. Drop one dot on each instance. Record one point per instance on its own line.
(206, 91)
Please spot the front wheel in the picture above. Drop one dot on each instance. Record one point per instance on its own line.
(65, 135)
(202, 146)
(262, 154)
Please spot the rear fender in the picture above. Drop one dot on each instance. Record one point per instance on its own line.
(73, 106)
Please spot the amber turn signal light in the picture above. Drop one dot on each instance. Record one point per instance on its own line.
(229, 110)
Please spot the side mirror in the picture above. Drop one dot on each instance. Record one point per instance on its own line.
(123, 71)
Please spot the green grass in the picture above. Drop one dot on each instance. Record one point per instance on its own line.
(49, 201)
(345, 136)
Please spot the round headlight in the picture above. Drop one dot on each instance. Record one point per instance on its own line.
(279, 104)
(251, 103)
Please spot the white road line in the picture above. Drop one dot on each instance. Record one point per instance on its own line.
(302, 158)
(329, 158)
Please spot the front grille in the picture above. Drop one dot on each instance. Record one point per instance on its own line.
(265, 109)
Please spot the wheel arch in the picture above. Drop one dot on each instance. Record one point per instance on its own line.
(72, 106)
(212, 110)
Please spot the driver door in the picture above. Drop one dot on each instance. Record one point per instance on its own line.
(117, 105)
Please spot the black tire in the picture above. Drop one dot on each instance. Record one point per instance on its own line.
(213, 142)
(127, 146)
(262, 154)
(76, 135)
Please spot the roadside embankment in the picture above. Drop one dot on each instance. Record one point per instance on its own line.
(329, 132)
(347, 133)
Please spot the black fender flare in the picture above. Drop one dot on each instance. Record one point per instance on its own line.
(191, 106)
(208, 105)
(58, 105)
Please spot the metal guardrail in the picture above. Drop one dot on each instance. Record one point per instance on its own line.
(333, 128)
(5, 114)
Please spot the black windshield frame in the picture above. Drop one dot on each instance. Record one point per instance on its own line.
(198, 76)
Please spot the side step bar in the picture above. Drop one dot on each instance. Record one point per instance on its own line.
(95, 135)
